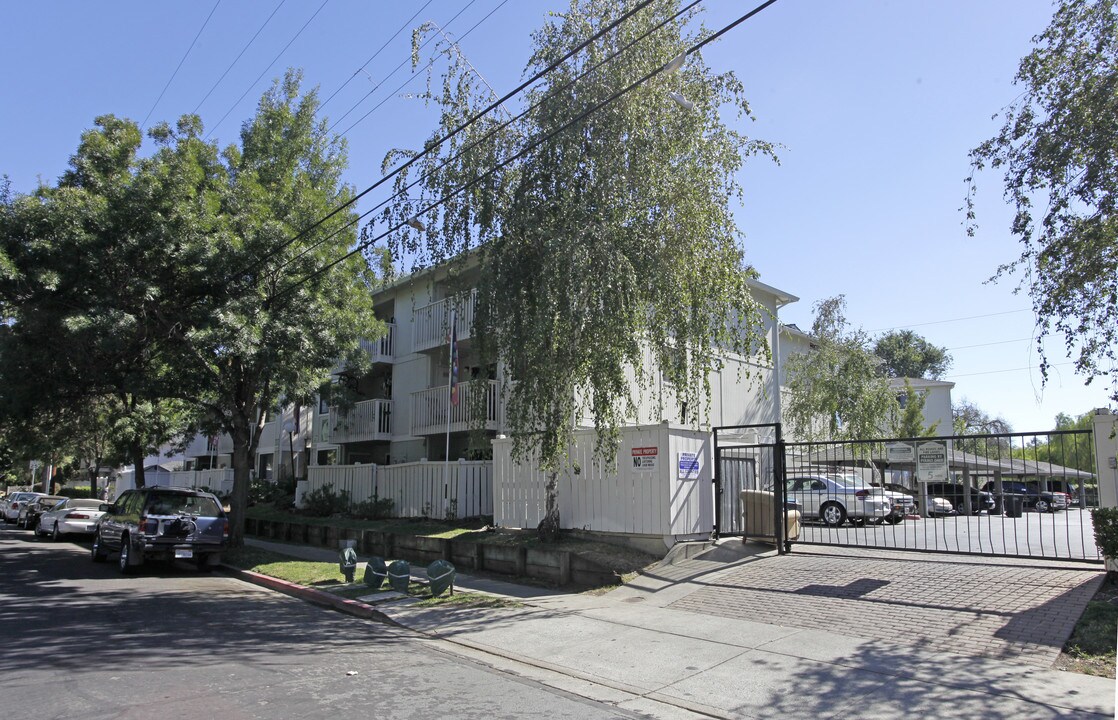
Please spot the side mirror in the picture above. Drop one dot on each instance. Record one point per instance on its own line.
(107, 508)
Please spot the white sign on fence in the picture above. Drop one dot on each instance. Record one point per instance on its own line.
(644, 458)
(900, 452)
(931, 461)
(689, 466)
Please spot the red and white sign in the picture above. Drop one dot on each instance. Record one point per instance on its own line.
(644, 458)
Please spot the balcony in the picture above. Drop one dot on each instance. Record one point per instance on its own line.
(382, 349)
(432, 322)
(367, 420)
(429, 408)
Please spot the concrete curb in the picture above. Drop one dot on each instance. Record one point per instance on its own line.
(311, 595)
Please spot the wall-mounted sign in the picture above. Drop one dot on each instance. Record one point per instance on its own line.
(900, 452)
(931, 461)
(688, 466)
(644, 458)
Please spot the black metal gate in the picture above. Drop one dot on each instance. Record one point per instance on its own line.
(748, 482)
(1011, 495)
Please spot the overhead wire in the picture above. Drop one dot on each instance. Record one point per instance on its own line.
(179, 66)
(523, 151)
(593, 68)
(269, 67)
(396, 69)
(374, 55)
(431, 146)
(242, 52)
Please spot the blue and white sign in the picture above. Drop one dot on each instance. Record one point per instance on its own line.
(688, 466)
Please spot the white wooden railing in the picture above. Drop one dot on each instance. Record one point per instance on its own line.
(218, 480)
(429, 408)
(431, 322)
(367, 420)
(382, 349)
(419, 489)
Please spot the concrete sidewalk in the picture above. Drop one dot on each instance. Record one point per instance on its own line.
(655, 646)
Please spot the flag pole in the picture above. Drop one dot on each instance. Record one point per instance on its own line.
(449, 398)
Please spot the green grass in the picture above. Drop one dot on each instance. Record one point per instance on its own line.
(325, 576)
(1091, 649)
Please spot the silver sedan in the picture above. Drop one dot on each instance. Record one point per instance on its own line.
(74, 516)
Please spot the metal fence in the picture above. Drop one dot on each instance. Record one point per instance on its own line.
(1011, 495)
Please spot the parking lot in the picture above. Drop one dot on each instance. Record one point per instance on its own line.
(1064, 535)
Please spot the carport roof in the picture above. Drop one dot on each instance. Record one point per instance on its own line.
(957, 460)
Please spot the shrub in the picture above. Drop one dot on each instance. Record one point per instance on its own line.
(1106, 530)
(324, 502)
(375, 509)
(75, 492)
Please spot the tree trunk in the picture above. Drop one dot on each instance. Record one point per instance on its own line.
(93, 483)
(242, 466)
(136, 450)
(548, 529)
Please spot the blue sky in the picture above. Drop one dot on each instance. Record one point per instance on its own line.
(876, 103)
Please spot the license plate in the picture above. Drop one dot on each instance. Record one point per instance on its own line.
(184, 553)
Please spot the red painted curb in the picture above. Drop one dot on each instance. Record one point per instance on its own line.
(302, 592)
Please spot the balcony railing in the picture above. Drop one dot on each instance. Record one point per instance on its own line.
(432, 322)
(429, 408)
(367, 420)
(382, 349)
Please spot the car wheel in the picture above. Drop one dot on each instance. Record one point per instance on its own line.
(832, 514)
(1041, 506)
(54, 534)
(858, 522)
(98, 552)
(894, 519)
(125, 563)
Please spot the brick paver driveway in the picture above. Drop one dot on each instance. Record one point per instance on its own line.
(972, 606)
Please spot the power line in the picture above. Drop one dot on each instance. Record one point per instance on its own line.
(430, 147)
(374, 55)
(402, 64)
(941, 322)
(242, 52)
(1000, 342)
(573, 121)
(498, 128)
(277, 57)
(1007, 370)
(179, 66)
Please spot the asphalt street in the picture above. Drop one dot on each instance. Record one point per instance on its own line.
(78, 640)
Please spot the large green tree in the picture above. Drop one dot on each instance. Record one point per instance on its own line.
(836, 389)
(906, 354)
(210, 287)
(607, 246)
(1058, 150)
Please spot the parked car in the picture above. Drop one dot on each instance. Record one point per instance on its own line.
(938, 507)
(30, 512)
(1034, 497)
(953, 492)
(162, 523)
(835, 502)
(15, 501)
(1058, 486)
(903, 503)
(74, 516)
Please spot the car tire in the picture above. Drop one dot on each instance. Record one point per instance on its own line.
(894, 519)
(97, 553)
(858, 522)
(125, 560)
(1042, 506)
(832, 514)
(54, 534)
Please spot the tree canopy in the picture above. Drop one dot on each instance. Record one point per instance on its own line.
(906, 354)
(606, 245)
(1059, 156)
(836, 390)
(188, 280)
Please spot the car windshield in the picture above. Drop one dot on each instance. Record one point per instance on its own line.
(176, 504)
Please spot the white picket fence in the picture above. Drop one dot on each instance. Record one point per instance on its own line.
(219, 481)
(419, 489)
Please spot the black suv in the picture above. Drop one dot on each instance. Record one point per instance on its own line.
(162, 523)
(953, 493)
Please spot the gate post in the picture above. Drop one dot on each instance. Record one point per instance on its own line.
(716, 479)
(1105, 425)
(780, 496)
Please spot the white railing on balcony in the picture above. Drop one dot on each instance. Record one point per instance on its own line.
(429, 408)
(382, 349)
(432, 322)
(367, 420)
